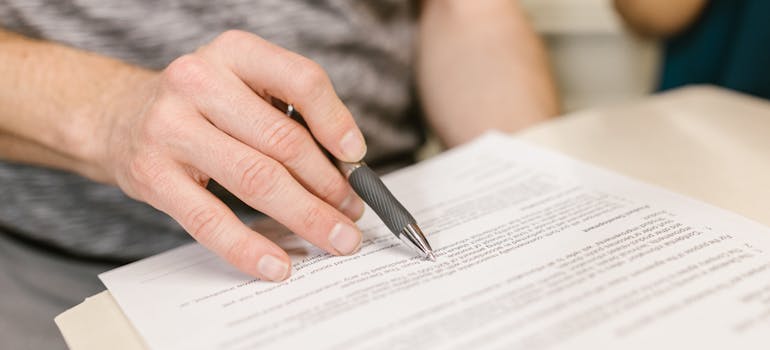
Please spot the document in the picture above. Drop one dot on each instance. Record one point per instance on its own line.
(534, 251)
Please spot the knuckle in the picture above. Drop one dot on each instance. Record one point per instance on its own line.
(161, 121)
(237, 252)
(313, 217)
(147, 177)
(186, 71)
(232, 37)
(339, 118)
(284, 137)
(145, 170)
(234, 42)
(333, 189)
(308, 78)
(203, 223)
(258, 177)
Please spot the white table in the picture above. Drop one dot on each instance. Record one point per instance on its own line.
(704, 142)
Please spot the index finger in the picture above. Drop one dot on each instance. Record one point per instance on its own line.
(271, 70)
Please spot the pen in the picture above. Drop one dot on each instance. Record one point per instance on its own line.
(367, 184)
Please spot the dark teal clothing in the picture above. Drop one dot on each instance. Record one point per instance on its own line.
(729, 46)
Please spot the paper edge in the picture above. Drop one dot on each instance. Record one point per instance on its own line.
(98, 312)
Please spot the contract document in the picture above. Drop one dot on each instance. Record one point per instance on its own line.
(534, 250)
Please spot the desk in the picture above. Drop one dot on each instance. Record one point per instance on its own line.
(703, 142)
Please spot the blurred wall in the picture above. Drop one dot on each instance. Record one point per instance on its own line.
(595, 60)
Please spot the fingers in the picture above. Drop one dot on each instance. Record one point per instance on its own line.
(267, 186)
(212, 224)
(271, 70)
(234, 108)
(263, 157)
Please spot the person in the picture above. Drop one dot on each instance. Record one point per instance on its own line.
(127, 125)
(719, 42)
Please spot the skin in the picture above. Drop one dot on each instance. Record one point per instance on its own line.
(659, 18)
(481, 66)
(162, 135)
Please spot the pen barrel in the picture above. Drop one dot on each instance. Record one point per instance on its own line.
(370, 188)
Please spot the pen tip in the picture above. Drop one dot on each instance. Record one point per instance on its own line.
(431, 257)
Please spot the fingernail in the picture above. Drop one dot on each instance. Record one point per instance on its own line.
(353, 207)
(272, 268)
(344, 238)
(353, 146)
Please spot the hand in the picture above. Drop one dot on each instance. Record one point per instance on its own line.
(206, 116)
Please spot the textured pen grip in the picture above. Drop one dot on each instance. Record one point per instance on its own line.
(371, 189)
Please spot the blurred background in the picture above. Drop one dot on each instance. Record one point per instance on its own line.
(582, 35)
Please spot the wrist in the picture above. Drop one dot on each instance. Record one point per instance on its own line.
(57, 100)
(125, 92)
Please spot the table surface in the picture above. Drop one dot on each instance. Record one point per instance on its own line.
(704, 142)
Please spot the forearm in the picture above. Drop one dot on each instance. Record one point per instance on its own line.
(51, 100)
(658, 17)
(481, 66)
(16, 149)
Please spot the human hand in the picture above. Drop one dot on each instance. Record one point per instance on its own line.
(206, 116)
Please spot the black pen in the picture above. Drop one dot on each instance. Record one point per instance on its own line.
(367, 184)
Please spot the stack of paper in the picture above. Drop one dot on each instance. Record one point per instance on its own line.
(534, 250)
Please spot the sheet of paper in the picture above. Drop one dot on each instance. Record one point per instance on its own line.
(534, 250)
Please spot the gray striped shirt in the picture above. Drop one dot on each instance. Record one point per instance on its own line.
(365, 46)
